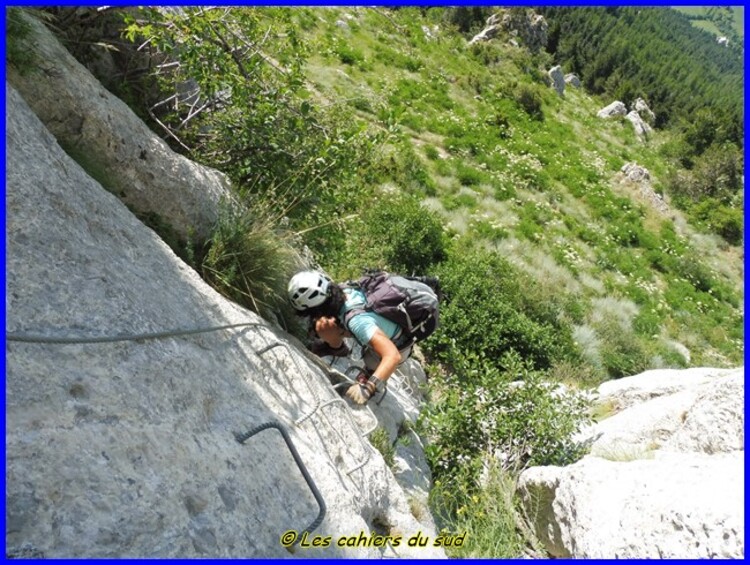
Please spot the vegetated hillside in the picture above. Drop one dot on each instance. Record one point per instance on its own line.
(353, 122)
(380, 137)
(481, 139)
(650, 52)
(726, 21)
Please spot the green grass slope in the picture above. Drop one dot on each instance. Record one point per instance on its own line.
(480, 138)
(720, 21)
(380, 137)
(373, 129)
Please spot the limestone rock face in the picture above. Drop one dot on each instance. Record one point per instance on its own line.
(128, 449)
(673, 506)
(644, 111)
(624, 393)
(665, 476)
(642, 129)
(670, 421)
(573, 80)
(115, 146)
(617, 108)
(524, 24)
(558, 80)
(396, 412)
(640, 178)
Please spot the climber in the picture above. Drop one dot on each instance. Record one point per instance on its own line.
(326, 304)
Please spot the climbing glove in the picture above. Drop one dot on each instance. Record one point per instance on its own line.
(361, 391)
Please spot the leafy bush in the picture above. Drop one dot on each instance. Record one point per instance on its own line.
(717, 173)
(251, 115)
(712, 191)
(509, 414)
(349, 55)
(468, 176)
(400, 164)
(488, 53)
(399, 234)
(622, 352)
(490, 310)
(724, 220)
(529, 98)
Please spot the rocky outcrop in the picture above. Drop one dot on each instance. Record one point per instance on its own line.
(636, 180)
(491, 30)
(644, 111)
(517, 23)
(127, 448)
(115, 146)
(672, 506)
(639, 179)
(573, 80)
(617, 108)
(642, 129)
(664, 477)
(557, 78)
(635, 172)
(431, 33)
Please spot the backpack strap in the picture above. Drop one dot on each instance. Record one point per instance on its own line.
(354, 311)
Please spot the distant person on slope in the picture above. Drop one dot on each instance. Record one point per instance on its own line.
(385, 345)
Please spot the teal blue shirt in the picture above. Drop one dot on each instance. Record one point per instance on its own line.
(364, 325)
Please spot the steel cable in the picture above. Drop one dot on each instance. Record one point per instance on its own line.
(36, 338)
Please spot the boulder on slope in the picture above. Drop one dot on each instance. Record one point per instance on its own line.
(642, 129)
(664, 477)
(617, 108)
(557, 78)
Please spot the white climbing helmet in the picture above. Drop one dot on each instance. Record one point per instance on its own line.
(308, 289)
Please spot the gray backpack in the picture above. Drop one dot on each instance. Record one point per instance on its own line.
(410, 302)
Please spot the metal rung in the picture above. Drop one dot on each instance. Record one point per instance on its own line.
(314, 393)
(242, 438)
(365, 446)
(320, 405)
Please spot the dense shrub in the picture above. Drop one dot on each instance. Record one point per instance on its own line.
(529, 98)
(256, 121)
(712, 191)
(511, 414)
(349, 55)
(490, 311)
(622, 352)
(399, 234)
(399, 164)
(717, 173)
(724, 220)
